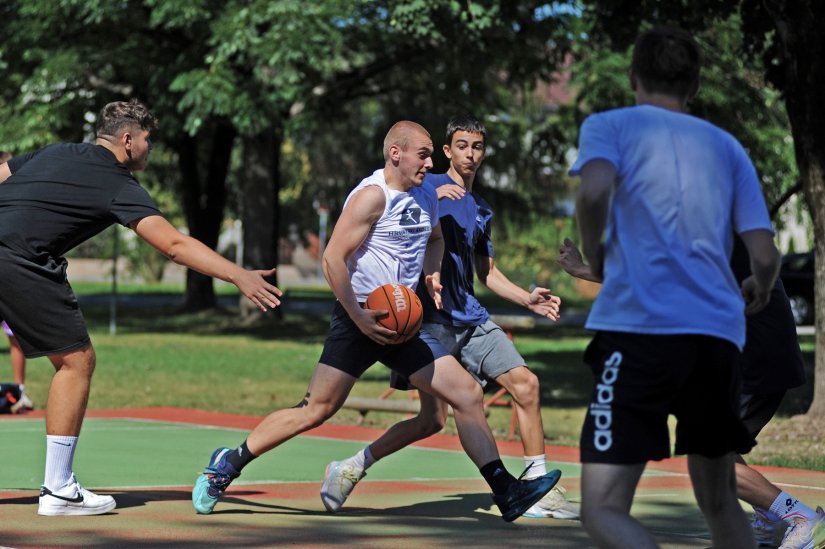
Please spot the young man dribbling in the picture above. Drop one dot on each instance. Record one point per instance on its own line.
(464, 328)
(388, 232)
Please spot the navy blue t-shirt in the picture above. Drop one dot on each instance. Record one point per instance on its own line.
(466, 225)
(64, 194)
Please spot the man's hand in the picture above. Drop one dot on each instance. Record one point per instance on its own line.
(434, 288)
(367, 322)
(451, 191)
(570, 259)
(253, 285)
(545, 304)
(755, 297)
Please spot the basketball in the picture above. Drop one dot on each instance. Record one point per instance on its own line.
(405, 311)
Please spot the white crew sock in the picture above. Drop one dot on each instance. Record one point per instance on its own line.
(536, 466)
(362, 460)
(789, 508)
(59, 458)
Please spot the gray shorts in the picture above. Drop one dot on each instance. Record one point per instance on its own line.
(485, 351)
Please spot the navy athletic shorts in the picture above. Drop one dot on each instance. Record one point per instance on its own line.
(349, 350)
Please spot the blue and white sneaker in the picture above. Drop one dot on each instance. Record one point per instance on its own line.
(211, 484)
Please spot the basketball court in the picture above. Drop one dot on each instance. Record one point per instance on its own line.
(429, 495)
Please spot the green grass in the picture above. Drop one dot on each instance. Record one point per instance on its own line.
(213, 361)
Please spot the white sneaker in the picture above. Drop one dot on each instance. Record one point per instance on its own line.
(554, 505)
(23, 403)
(73, 500)
(806, 534)
(339, 479)
(765, 529)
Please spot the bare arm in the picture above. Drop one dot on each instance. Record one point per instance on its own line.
(765, 259)
(192, 253)
(539, 301)
(363, 210)
(5, 172)
(592, 207)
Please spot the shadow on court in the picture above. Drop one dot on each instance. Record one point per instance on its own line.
(431, 497)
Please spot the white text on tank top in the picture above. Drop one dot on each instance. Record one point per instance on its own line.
(393, 251)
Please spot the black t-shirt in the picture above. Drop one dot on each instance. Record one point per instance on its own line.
(771, 359)
(62, 195)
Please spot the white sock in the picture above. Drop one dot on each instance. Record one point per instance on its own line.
(362, 460)
(789, 508)
(59, 458)
(536, 466)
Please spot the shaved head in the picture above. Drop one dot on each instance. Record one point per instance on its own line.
(400, 135)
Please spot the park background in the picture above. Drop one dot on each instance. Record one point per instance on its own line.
(271, 111)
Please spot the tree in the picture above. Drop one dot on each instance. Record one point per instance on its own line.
(279, 69)
(785, 36)
(66, 58)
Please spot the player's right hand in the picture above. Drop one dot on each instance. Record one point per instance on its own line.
(367, 322)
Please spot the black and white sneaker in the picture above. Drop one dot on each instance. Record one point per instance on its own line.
(522, 494)
(73, 499)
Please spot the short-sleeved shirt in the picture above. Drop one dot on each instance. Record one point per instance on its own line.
(56, 198)
(393, 252)
(683, 188)
(63, 195)
(466, 226)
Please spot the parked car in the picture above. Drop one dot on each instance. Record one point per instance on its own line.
(797, 274)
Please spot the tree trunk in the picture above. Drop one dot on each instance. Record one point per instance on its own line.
(260, 211)
(204, 202)
(801, 43)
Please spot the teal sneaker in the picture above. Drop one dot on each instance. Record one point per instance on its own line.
(522, 494)
(216, 478)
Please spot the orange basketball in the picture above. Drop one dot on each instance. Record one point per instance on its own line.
(405, 311)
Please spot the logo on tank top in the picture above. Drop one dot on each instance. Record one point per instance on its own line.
(410, 216)
(602, 409)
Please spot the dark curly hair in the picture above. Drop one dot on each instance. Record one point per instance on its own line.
(118, 115)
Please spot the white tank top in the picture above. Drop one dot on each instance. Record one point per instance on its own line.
(393, 251)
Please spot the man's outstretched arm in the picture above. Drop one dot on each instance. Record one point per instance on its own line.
(192, 253)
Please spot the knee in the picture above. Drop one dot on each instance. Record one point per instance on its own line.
(316, 414)
(430, 425)
(524, 387)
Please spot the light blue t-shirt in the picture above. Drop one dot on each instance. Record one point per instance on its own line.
(684, 186)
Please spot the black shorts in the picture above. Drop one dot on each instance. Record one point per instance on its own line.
(349, 350)
(640, 379)
(757, 410)
(38, 303)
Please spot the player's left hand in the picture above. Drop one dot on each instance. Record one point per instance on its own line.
(254, 286)
(545, 304)
(451, 191)
(434, 287)
(755, 298)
